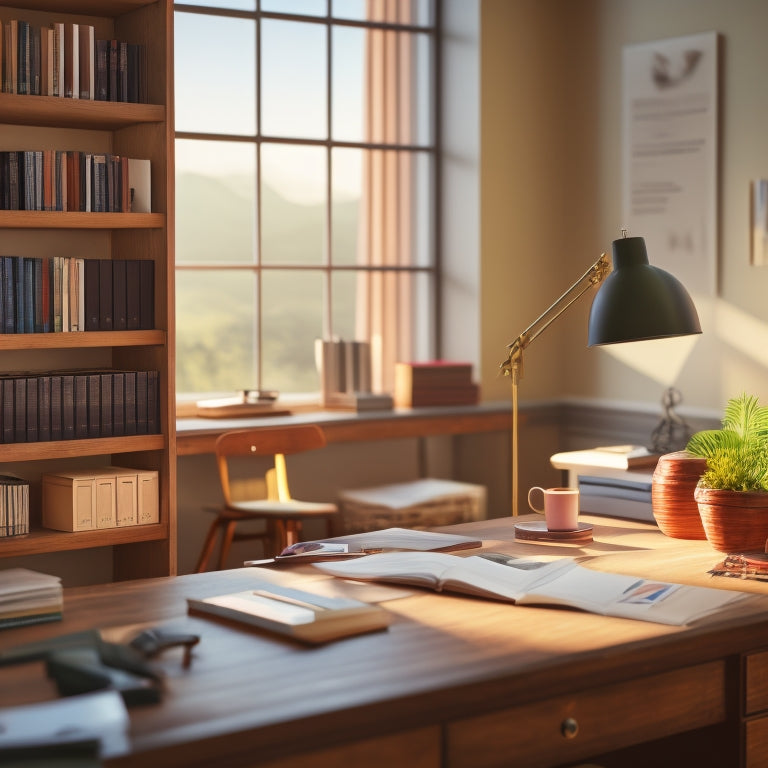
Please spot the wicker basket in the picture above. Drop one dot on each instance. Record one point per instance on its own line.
(425, 503)
(672, 495)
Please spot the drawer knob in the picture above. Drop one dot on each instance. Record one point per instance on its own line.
(569, 728)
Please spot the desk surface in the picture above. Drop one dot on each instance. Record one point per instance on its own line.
(257, 697)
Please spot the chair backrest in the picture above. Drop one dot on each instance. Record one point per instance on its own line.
(268, 441)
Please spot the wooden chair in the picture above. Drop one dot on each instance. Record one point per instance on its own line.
(283, 515)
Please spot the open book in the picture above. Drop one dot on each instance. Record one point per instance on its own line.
(560, 582)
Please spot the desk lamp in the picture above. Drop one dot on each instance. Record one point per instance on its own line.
(636, 302)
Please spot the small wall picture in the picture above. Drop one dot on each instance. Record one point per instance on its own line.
(759, 255)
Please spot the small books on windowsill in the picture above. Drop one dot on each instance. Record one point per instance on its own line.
(299, 614)
(29, 597)
(561, 582)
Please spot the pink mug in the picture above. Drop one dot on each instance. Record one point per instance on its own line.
(560, 507)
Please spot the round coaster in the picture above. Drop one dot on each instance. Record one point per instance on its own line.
(537, 531)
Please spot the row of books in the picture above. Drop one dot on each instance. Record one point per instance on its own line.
(65, 59)
(434, 383)
(64, 294)
(76, 405)
(14, 506)
(68, 180)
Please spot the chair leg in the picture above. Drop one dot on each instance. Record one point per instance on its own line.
(226, 542)
(208, 545)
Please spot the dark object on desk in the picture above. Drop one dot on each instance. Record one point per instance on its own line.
(73, 754)
(538, 531)
(83, 662)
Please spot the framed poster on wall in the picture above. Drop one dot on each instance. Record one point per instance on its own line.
(670, 154)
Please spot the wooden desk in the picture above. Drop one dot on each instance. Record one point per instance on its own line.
(453, 682)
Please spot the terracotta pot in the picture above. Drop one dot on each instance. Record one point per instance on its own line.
(734, 521)
(674, 507)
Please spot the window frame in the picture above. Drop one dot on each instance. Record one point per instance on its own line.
(432, 269)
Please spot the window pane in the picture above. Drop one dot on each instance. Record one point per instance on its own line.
(293, 204)
(302, 7)
(292, 319)
(344, 307)
(293, 79)
(215, 202)
(215, 91)
(349, 9)
(346, 178)
(348, 69)
(215, 331)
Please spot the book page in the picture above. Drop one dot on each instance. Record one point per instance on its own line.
(472, 575)
(630, 597)
(418, 568)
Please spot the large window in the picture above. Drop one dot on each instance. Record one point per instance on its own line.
(306, 164)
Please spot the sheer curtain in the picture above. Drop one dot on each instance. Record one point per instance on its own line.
(384, 299)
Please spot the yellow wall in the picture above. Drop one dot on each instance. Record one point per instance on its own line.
(551, 194)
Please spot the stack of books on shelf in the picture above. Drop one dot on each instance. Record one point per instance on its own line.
(61, 294)
(65, 59)
(14, 506)
(105, 497)
(29, 597)
(69, 180)
(439, 382)
(78, 405)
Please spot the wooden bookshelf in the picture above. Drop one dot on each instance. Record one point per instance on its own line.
(132, 130)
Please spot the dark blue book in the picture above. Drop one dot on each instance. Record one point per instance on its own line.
(9, 295)
(43, 408)
(18, 287)
(28, 282)
(37, 301)
(20, 410)
(56, 413)
(9, 410)
(67, 407)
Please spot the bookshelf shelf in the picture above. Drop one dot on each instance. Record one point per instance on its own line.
(42, 540)
(83, 339)
(79, 219)
(140, 131)
(52, 111)
(98, 446)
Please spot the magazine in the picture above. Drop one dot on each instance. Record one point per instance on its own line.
(562, 582)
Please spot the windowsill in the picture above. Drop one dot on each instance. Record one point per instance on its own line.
(195, 435)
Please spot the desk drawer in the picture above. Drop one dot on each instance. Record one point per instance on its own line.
(756, 697)
(591, 721)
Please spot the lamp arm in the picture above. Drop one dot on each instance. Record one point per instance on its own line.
(513, 365)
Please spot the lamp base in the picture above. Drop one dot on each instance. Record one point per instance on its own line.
(538, 531)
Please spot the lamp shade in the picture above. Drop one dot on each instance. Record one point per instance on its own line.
(637, 301)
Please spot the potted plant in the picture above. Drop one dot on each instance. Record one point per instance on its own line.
(732, 494)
